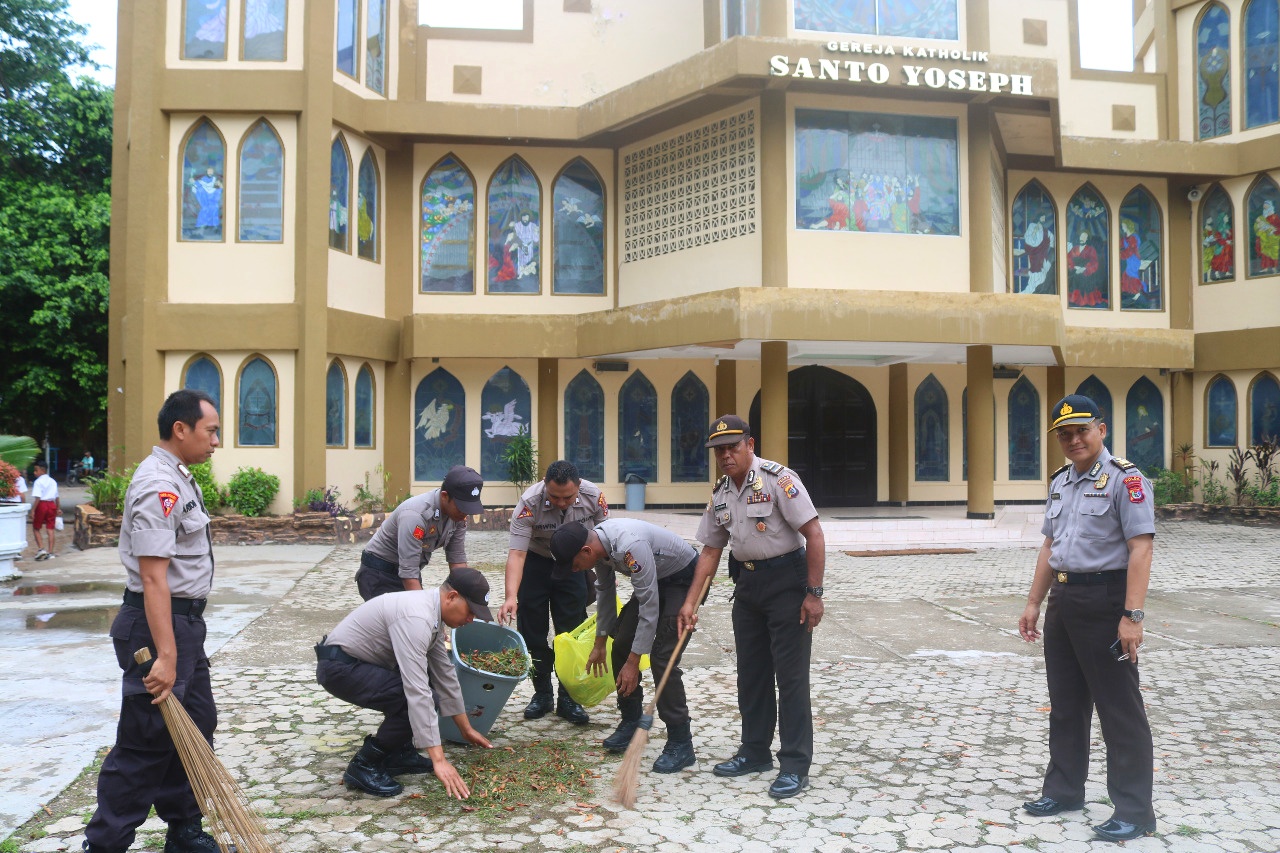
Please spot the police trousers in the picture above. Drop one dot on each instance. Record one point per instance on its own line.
(566, 600)
(377, 576)
(377, 688)
(1079, 626)
(773, 651)
(143, 769)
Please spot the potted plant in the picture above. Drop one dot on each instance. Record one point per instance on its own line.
(15, 452)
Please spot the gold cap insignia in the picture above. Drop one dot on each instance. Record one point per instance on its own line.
(1066, 409)
(721, 426)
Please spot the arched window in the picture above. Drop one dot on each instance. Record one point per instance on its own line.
(204, 168)
(933, 458)
(448, 229)
(690, 412)
(505, 411)
(262, 36)
(439, 432)
(1144, 425)
(345, 55)
(204, 29)
(1217, 237)
(1264, 409)
(584, 425)
(578, 238)
(202, 374)
(375, 45)
(335, 406)
(1213, 71)
(1141, 252)
(261, 200)
(1098, 392)
(367, 193)
(1035, 241)
(1262, 208)
(637, 428)
(1088, 235)
(515, 229)
(364, 407)
(1261, 57)
(339, 194)
(1221, 412)
(258, 411)
(1024, 431)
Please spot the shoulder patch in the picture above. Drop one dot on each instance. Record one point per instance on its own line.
(1134, 486)
(418, 533)
(525, 512)
(1123, 464)
(603, 504)
(168, 500)
(631, 564)
(771, 466)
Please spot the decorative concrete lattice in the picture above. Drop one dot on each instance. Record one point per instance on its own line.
(694, 189)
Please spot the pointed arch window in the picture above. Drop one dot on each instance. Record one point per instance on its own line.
(1088, 258)
(261, 196)
(1035, 241)
(202, 374)
(578, 239)
(1024, 431)
(1144, 425)
(364, 407)
(638, 428)
(506, 411)
(204, 29)
(339, 194)
(514, 229)
(1141, 253)
(448, 229)
(263, 33)
(375, 45)
(1221, 413)
(258, 411)
(368, 191)
(933, 460)
(335, 406)
(439, 432)
(1213, 71)
(1264, 409)
(690, 412)
(347, 25)
(584, 425)
(1261, 61)
(204, 168)
(1262, 206)
(1097, 391)
(1217, 237)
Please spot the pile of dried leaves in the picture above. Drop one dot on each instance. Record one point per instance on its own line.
(512, 662)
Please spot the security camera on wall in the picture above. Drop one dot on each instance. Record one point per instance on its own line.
(1193, 194)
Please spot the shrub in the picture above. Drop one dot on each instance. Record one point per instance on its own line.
(252, 490)
(1215, 493)
(1171, 487)
(377, 498)
(521, 456)
(108, 490)
(1259, 496)
(328, 500)
(1238, 471)
(215, 495)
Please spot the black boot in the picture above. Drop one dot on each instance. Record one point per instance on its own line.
(571, 710)
(367, 771)
(86, 847)
(621, 737)
(676, 755)
(187, 836)
(540, 705)
(407, 761)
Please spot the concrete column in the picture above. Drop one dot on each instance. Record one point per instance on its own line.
(899, 432)
(776, 215)
(981, 253)
(548, 413)
(1182, 414)
(773, 400)
(773, 18)
(726, 389)
(982, 426)
(397, 391)
(1055, 389)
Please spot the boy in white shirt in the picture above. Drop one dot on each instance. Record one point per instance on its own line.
(44, 496)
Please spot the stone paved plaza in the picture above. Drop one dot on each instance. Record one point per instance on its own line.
(931, 722)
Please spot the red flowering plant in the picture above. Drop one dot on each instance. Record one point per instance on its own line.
(8, 480)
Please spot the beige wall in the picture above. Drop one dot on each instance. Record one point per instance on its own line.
(1085, 107)
(346, 467)
(1242, 302)
(1006, 26)
(235, 20)
(355, 283)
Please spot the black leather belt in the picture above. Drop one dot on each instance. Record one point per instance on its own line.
(756, 565)
(1091, 577)
(179, 606)
(373, 561)
(324, 652)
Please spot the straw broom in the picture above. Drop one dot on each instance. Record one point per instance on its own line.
(232, 822)
(627, 781)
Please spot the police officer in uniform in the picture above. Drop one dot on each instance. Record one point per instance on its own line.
(167, 553)
(1094, 565)
(562, 496)
(660, 566)
(761, 509)
(402, 545)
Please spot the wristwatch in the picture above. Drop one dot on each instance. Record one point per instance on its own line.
(1135, 615)
(815, 591)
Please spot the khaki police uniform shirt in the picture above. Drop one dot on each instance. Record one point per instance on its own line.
(164, 516)
(534, 519)
(1091, 516)
(404, 631)
(761, 519)
(643, 553)
(415, 529)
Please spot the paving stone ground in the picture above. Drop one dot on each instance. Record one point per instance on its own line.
(930, 722)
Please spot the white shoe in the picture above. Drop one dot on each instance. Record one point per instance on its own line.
(42, 554)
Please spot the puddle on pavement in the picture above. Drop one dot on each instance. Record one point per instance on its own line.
(62, 588)
(79, 619)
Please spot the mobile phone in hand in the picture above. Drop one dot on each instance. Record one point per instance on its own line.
(1117, 650)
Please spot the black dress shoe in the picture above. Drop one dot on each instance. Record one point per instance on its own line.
(1121, 830)
(539, 706)
(1046, 806)
(788, 785)
(572, 711)
(740, 765)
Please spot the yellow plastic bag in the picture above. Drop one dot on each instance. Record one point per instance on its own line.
(572, 649)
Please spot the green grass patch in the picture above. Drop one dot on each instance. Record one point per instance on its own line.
(1187, 831)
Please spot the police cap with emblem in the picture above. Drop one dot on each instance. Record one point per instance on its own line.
(473, 587)
(566, 542)
(1073, 409)
(463, 484)
(727, 429)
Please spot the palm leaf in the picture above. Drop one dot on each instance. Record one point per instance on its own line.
(18, 450)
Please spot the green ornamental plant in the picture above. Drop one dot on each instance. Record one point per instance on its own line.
(108, 490)
(215, 494)
(18, 450)
(521, 457)
(251, 491)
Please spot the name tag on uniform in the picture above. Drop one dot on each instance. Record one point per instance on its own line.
(720, 508)
(761, 498)
(1055, 496)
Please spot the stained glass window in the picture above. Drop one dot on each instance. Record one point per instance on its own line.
(1213, 71)
(1217, 237)
(1024, 431)
(335, 407)
(505, 412)
(932, 431)
(1098, 392)
(515, 230)
(261, 218)
(1264, 409)
(375, 45)
(925, 19)
(584, 425)
(345, 58)
(258, 410)
(578, 241)
(364, 407)
(1261, 57)
(1221, 412)
(264, 30)
(204, 29)
(367, 207)
(439, 432)
(1264, 227)
(1035, 241)
(1144, 425)
(204, 164)
(203, 375)
(690, 412)
(1088, 235)
(638, 428)
(1141, 254)
(876, 172)
(448, 229)
(339, 195)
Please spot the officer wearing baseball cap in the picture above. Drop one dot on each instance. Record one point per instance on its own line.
(1094, 565)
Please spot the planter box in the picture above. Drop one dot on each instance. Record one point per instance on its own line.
(1254, 516)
